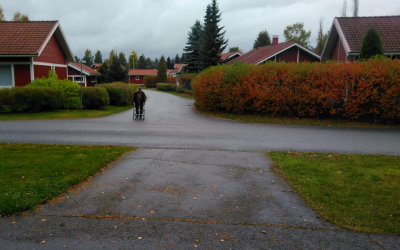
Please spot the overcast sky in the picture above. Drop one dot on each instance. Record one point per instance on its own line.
(160, 27)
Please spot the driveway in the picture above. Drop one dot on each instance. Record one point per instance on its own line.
(171, 122)
(195, 182)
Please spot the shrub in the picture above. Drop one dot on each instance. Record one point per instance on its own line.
(368, 90)
(120, 94)
(166, 86)
(33, 99)
(70, 90)
(95, 98)
(186, 80)
(171, 79)
(150, 81)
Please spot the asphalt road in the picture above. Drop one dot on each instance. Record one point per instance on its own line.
(195, 182)
(171, 122)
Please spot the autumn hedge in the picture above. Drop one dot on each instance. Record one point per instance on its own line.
(368, 90)
(151, 81)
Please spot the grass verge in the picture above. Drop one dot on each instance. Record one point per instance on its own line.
(31, 174)
(64, 114)
(184, 95)
(267, 119)
(358, 192)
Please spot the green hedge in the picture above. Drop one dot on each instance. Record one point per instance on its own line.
(120, 94)
(166, 86)
(95, 98)
(32, 99)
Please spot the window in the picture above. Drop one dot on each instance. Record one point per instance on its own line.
(77, 79)
(5, 76)
(137, 78)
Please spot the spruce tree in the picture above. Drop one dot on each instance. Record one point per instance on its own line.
(142, 64)
(372, 45)
(212, 39)
(98, 58)
(192, 48)
(88, 58)
(177, 59)
(122, 59)
(162, 71)
(169, 63)
(104, 71)
(116, 73)
(263, 39)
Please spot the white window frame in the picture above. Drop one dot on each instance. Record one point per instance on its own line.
(137, 78)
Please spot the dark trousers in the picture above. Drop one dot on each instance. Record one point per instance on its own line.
(139, 108)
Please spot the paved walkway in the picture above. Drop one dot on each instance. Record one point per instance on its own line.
(182, 199)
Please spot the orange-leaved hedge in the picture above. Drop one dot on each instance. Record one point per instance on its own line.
(368, 90)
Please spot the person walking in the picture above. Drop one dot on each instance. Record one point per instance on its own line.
(139, 99)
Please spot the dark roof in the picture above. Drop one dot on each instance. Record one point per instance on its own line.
(85, 69)
(352, 30)
(30, 38)
(256, 56)
(355, 29)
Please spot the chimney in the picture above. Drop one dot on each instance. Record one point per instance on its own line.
(275, 40)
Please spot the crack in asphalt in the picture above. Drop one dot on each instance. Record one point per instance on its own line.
(138, 218)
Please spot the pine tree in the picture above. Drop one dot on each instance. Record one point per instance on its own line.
(148, 62)
(263, 39)
(183, 58)
(192, 49)
(98, 58)
(88, 58)
(212, 39)
(372, 45)
(162, 71)
(156, 62)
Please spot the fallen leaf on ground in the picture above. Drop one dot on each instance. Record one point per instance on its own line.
(139, 238)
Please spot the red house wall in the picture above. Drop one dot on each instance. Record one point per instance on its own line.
(134, 81)
(74, 72)
(41, 70)
(306, 57)
(22, 75)
(338, 54)
(289, 55)
(52, 53)
(61, 72)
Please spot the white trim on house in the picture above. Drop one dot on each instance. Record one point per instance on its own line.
(137, 78)
(32, 70)
(342, 37)
(50, 64)
(83, 70)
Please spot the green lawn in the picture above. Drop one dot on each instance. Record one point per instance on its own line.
(64, 114)
(358, 192)
(31, 174)
(267, 119)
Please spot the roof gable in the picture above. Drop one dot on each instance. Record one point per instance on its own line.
(85, 69)
(30, 38)
(260, 55)
(352, 30)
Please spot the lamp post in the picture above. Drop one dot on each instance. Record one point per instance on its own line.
(82, 61)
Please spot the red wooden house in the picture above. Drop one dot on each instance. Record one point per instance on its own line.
(89, 75)
(286, 51)
(347, 34)
(28, 50)
(135, 76)
(96, 66)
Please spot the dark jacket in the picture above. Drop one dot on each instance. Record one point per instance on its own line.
(139, 97)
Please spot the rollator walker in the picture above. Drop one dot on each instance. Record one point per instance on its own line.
(138, 116)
